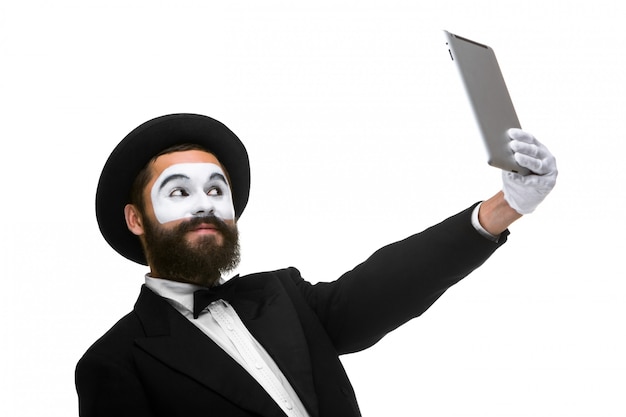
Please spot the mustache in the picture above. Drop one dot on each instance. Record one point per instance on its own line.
(191, 224)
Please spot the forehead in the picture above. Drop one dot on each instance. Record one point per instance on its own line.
(193, 156)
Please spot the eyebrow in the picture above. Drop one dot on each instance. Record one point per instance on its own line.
(172, 178)
(215, 175)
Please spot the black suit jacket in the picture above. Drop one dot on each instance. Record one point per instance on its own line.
(153, 362)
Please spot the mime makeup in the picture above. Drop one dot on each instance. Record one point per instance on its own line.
(192, 189)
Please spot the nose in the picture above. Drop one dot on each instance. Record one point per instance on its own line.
(203, 205)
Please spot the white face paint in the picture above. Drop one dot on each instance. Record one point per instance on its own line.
(192, 189)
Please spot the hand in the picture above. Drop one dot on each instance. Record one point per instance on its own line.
(524, 193)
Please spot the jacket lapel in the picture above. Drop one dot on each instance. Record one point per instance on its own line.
(180, 345)
(268, 313)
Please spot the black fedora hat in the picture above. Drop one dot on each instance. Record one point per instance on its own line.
(140, 146)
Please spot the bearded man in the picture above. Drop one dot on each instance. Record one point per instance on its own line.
(266, 344)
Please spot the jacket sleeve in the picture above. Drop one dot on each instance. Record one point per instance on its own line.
(109, 389)
(398, 282)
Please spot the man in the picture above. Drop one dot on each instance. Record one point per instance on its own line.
(266, 344)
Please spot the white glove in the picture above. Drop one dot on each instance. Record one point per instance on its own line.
(524, 193)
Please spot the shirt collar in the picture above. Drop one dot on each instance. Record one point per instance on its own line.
(180, 292)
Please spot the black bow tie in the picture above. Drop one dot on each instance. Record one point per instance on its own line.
(202, 298)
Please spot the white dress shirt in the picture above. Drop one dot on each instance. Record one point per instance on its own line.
(220, 322)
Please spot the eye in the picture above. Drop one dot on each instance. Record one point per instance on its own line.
(179, 192)
(214, 191)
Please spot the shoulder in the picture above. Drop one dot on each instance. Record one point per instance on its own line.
(116, 344)
(288, 281)
(106, 378)
(289, 277)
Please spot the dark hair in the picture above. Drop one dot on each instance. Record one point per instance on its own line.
(143, 177)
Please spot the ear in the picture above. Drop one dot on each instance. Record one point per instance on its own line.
(134, 222)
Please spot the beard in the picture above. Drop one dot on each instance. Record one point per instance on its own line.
(201, 262)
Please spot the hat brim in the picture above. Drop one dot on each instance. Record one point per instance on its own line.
(140, 146)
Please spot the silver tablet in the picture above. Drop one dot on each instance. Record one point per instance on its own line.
(488, 96)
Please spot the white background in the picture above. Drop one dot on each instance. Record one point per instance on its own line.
(359, 134)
